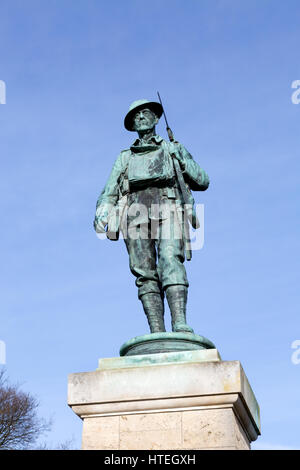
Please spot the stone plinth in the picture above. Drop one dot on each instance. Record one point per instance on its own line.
(182, 400)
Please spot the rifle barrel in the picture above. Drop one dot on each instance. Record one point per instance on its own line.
(163, 110)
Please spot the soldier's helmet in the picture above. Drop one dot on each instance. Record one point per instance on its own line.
(136, 106)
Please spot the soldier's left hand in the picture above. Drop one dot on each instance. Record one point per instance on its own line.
(175, 150)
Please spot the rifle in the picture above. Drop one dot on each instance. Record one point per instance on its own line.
(192, 217)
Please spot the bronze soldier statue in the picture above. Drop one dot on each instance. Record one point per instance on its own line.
(143, 198)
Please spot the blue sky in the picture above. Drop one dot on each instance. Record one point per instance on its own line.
(224, 69)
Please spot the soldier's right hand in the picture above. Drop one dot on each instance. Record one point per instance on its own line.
(99, 225)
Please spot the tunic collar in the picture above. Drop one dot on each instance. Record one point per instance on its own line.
(152, 144)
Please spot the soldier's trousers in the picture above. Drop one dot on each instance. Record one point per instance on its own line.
(155, 260)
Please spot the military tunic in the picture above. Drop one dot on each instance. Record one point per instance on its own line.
(151, 224)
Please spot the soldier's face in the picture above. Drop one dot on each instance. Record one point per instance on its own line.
(144, 120)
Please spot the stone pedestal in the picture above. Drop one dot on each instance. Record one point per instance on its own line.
(167, 401)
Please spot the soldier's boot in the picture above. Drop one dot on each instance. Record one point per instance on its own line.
(177, 299)
(153, 305)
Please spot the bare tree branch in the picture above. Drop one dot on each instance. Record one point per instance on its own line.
(20, 425)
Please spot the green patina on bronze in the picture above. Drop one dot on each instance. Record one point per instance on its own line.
(164, 342)
(148, 173)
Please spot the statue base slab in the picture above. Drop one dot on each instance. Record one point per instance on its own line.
(155, 343)
(169, 401)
